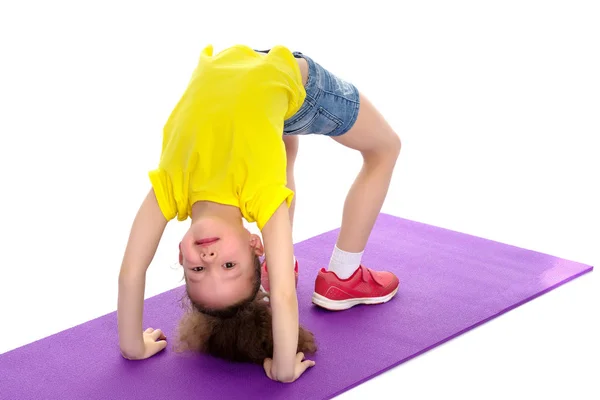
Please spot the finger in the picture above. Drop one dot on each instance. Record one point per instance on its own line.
(299, 357)
(267, 366)
(149, 330)
(306, 364)
(156, 334)
(160, 346)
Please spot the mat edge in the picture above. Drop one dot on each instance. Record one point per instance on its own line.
(465, 330)
(589, 269)
(481, 238)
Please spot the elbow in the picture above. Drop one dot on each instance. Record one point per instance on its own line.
(129, 276)
(287, 297)
(286, 293)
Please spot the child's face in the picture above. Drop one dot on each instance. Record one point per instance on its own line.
(218, 262)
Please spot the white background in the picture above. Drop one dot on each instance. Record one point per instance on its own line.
(497, 105)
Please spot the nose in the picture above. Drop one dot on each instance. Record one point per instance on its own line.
(206, 254)
(195, 253)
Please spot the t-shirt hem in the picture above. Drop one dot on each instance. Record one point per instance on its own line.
(161, 197)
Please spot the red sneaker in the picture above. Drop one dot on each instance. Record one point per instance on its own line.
(264, 276)
(365, 286)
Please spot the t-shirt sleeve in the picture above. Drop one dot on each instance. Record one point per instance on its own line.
(163, 190)
(261, 206)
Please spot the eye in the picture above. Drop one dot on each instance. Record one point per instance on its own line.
(197, 269)
(228, 265)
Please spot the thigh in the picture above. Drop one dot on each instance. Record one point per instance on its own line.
(371, 133)
(330, 107)
(335, 108)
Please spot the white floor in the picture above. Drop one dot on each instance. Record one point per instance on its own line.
(497, 107)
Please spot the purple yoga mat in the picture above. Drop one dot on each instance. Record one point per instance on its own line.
(450, 283)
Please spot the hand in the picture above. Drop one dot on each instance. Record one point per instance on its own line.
(300, 367)
(154, 342)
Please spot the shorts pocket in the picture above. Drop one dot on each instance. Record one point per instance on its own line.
(319, 122)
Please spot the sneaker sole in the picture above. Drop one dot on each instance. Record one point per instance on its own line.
(339, 305)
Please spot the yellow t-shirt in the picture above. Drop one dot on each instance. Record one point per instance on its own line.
(223, 141)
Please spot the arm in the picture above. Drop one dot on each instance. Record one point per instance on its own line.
(146, 232)
(279, 251)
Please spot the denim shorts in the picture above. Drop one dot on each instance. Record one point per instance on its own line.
(331, 105)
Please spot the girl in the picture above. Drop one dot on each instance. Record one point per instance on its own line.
(228, 154)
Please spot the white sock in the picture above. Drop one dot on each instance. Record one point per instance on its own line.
(343, 263)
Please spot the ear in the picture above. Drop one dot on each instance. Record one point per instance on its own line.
(257, 245)
(180, 255)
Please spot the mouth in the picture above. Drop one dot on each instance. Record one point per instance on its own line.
(206, 241)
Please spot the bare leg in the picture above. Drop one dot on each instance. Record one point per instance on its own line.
(380, 148)
(340, 287)
(291, 149)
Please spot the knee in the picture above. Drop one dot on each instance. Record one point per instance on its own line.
(387, 152)
(395, 145)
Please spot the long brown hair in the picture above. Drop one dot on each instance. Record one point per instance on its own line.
(240, 333)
